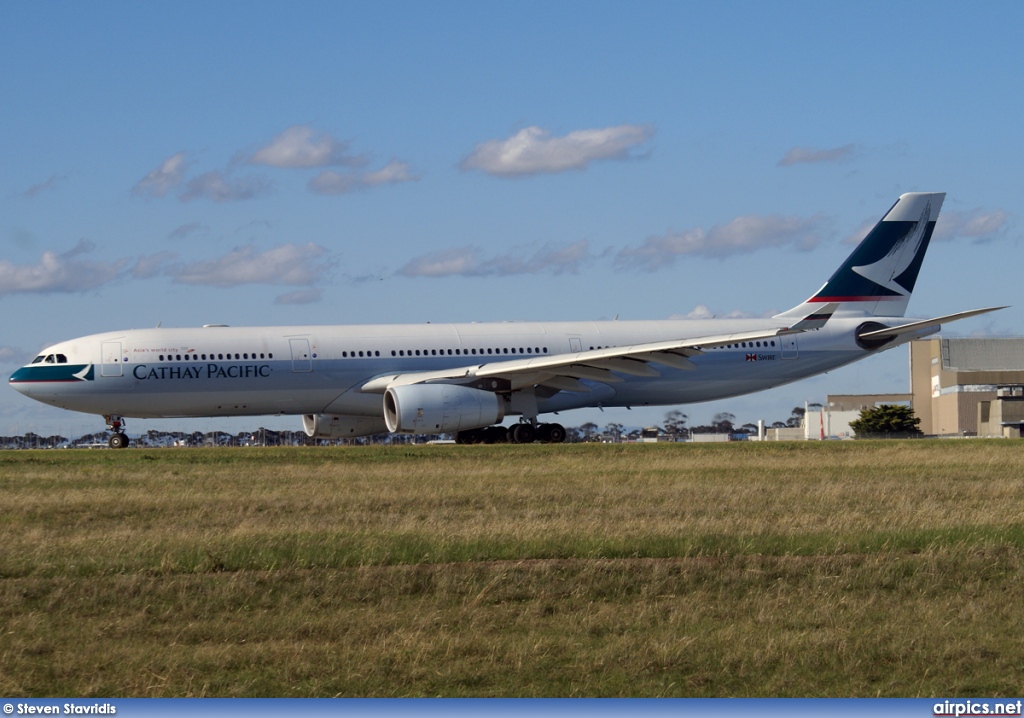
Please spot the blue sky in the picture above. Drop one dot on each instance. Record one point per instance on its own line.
(343, 162)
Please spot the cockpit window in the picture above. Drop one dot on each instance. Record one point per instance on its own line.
(61, 359)
(38, 359)
(50, 359)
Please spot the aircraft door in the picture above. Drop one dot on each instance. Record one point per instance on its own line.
(301, 361)
(110, 359)
(789, 348)
(575, 345)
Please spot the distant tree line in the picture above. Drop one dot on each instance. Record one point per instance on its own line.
(676, 428)
(884, 420)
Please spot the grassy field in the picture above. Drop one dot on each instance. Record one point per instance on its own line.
(832, 568)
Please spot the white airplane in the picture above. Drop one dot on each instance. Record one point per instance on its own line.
(464, 379)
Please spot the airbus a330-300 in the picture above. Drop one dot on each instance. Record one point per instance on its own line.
(464, 379)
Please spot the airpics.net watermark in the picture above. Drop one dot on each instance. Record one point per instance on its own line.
(977, 708)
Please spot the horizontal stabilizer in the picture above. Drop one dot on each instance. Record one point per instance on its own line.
(890, 332)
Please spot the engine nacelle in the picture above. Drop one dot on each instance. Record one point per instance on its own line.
(440, 408)
(871, 344)
(331, 426)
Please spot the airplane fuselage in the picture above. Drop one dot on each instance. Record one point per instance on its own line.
(237, 371)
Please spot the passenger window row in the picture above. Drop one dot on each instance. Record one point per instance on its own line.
(749, 345)
(512, 351)
(214, 357)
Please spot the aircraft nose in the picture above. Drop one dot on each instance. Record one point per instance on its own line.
(44, 380)
(21, 381)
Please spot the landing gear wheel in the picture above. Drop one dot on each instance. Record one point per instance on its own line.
(118, 440)
(553, 433)
(523, 434)
(470, 436)
(494, 435)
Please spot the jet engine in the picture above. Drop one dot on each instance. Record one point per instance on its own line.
(440, 408)
(332, 426)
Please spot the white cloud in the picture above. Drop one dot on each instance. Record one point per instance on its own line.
(392, 173)
(861, 232)
(300, 146)
(38, 189)
(976, 225)
(59, 273)
(299, 265)
(467, 262)
(186, 229)
(330, 182)
(164, 178)
(303, 296)
(211, 185)
(534, 151)
(445, 263)
(742, 235)
(13, 355)
(810, 155)
(215, 186)
(701, 311)
(151, 266)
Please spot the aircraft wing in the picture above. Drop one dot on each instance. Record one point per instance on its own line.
(564, 371)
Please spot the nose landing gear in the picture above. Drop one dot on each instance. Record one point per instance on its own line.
(117, 440)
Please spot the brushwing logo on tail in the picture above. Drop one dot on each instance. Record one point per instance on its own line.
(886, 270)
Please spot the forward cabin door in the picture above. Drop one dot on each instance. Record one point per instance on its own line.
(110, 359)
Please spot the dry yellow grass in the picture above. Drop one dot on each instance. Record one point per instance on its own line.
(822, 569)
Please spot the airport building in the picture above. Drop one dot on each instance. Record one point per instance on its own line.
(958, 387)
(968, 387)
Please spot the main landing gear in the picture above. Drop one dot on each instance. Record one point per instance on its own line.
(117, 440)
(515, 434)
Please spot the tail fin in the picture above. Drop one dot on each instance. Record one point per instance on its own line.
(878, 278)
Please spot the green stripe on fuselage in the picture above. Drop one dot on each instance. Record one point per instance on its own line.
(38, 373)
